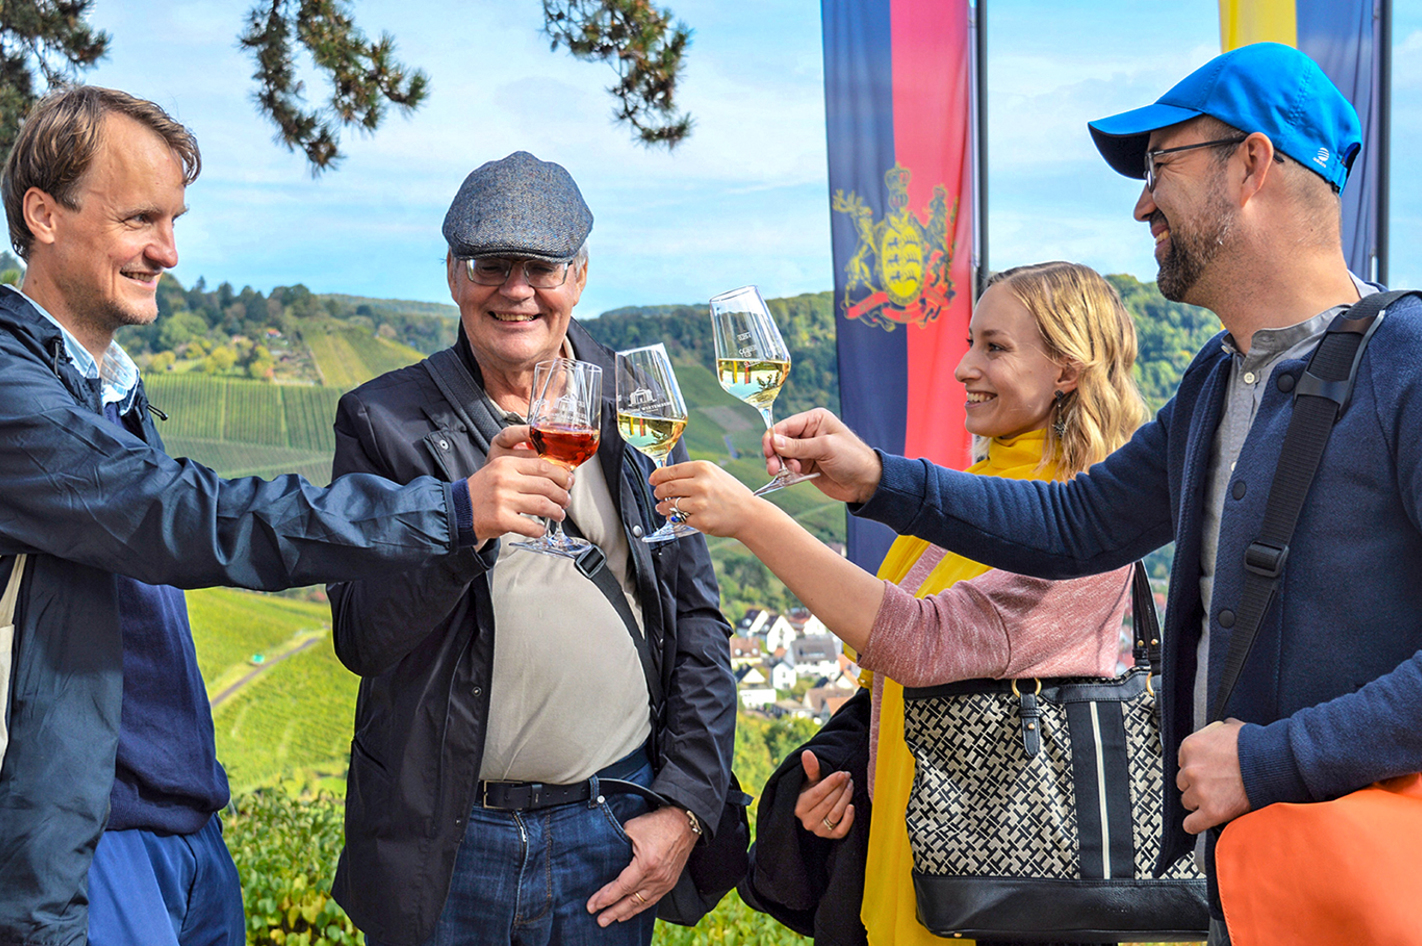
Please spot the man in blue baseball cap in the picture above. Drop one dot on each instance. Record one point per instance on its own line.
(1242, 163)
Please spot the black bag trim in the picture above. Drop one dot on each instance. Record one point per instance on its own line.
(1058, 910)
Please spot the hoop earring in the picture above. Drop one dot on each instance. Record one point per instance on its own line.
(1059, 425)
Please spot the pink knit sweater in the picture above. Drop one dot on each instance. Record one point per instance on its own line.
(998, 625)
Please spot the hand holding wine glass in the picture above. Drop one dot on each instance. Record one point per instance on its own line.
(564, 426)
(651, 415)
(752, 361)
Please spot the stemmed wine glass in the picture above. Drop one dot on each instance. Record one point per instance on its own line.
(651, 415)
(564, 425)
(752, 361)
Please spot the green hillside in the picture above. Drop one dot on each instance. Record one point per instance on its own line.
(349, 355)
(247, 428)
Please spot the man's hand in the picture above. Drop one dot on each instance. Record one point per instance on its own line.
(823, 805)
(818, 442)
(1211, 787)
(513, 484)
(661, 843)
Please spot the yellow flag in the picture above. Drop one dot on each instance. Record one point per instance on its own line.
(1257, 21)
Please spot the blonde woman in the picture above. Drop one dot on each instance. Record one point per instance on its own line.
(1049, 393)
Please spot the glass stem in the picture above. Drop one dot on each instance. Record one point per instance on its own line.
(770, 425)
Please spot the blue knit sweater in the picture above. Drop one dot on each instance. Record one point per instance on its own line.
(166, 778)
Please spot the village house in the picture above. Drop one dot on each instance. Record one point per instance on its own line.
(746, 650)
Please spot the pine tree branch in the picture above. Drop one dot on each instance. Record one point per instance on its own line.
(643, 47)
(364, 75)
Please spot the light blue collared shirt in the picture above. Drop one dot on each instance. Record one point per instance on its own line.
(119, 374)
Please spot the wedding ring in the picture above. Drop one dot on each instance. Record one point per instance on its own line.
(677, 515)
(830, 824)
(637, 895)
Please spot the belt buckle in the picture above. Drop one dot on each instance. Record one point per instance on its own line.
(484, 795)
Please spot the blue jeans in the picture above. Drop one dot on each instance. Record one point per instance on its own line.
(524, 878)
(147, 889)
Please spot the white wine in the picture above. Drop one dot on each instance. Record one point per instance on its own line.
(755, 382)
(653, 436)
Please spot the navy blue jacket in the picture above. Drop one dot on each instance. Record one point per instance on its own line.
(423, 643)
(1334, 680)
(87, 500)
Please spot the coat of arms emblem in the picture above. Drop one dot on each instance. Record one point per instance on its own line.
(908, 282)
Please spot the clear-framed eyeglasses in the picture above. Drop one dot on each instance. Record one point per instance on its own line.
(496, 270)
(1150, 156)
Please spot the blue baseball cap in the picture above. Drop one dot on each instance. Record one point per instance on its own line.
(1265, 87)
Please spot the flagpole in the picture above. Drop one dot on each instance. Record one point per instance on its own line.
(980, 73)
(1384, 132)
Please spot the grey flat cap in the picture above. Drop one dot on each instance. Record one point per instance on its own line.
(518, 206)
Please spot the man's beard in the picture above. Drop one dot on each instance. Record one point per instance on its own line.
(1192, 250)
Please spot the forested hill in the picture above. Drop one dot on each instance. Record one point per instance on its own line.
(1168, 333)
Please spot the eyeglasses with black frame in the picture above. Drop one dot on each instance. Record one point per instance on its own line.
(496, 270)
(1150, 156)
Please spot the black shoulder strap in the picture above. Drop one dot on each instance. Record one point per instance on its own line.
(1321, 396)
(465, 394)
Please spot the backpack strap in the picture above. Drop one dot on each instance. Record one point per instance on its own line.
(1321, 396)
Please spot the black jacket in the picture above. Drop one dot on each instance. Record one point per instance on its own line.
(423, 642)
(815, 885)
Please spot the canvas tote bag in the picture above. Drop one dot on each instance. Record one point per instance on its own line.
(7, 649)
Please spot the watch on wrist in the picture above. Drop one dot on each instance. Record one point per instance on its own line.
(694, 821)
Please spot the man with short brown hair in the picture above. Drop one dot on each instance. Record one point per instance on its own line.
(110, 785)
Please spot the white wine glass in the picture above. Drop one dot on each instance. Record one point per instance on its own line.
(752, 361)
(564, 424)
(651, 415)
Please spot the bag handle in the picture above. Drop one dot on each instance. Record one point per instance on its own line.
(1321, 396)
(1145, 623)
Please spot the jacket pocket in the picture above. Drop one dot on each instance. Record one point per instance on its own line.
(440, 444)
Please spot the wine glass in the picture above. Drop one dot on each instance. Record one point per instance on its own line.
(564, 425)
(752, 361)
(651, 415)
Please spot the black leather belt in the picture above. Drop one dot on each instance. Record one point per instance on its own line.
(532, 796)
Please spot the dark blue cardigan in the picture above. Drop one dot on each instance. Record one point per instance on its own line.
(1334, 681)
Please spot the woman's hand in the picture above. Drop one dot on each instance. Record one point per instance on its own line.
(823, 806)
(708, 498)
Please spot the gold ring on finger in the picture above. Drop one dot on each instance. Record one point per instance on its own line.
(830, 824)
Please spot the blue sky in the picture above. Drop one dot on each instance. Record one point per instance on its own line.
(744, 200)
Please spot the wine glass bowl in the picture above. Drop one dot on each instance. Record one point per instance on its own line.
(564, 412)
(651, 414)
(752, 361)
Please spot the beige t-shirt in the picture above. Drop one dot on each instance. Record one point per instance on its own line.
(567, 696)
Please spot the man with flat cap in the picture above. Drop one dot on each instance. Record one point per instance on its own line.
(497, 697)
(1243, 162)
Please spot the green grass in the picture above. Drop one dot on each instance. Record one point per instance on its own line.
(254, 414)
(230, 625)
(292, 718)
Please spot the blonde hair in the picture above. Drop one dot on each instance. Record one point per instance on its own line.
(1083, 323)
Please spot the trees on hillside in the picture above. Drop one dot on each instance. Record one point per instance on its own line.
(45, 44)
